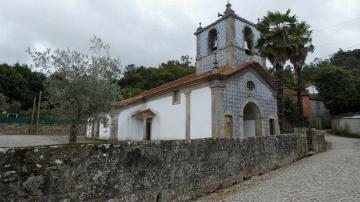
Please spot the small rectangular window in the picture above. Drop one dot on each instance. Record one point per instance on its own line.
(176, 97)
(272, 126)
(229, 126)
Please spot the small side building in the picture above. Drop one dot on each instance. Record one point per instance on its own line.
(319, 117)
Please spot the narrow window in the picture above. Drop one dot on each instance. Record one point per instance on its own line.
(212, 40)
(148, 129)
(176, 97)
(248, 40)
(229, 126)
(272, 126)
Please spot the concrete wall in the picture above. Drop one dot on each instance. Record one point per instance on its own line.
(141, 171)
(346, 125)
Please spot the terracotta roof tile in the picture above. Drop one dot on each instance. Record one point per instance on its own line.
(194, 78)
(145, 113)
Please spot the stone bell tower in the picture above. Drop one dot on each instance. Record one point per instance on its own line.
(229, 41)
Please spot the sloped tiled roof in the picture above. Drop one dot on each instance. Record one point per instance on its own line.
(194, 79)
(145, 113)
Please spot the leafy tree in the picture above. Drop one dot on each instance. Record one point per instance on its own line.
(289, 77)
(291, 113)
(18, 83)
(300, 47)
(136, 79)
(274, 44)
(3, 103)
(339, 88)
(347, 59)
(80, 85)
(14, 107)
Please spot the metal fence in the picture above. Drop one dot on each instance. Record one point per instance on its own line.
(26, 121)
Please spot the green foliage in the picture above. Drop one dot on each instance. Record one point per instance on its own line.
(290, 110)
(339, 88)
(308, 73)
(301, 44)
(275, 42)
(347, 59)
(136, 79)
(80, 85)
(3, 102)
(18, 83)
(14, 107)
(289, 77)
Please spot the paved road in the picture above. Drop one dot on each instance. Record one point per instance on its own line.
(33, 140)
(330, 176)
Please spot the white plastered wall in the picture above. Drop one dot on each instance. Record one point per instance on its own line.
(104, 130)
(169, 121)
(200, 113)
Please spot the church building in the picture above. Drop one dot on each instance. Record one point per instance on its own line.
(230, 95)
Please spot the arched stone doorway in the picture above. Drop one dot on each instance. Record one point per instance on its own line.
(252, 120)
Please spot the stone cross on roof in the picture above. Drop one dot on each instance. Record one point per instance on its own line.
(228, 8)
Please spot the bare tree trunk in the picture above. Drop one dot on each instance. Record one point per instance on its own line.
(97, 134)
(299, 94)
(92, 128)
(279, 80)
(73, 133)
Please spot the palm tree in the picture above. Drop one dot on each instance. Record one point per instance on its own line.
(301, 46)
(274, 44)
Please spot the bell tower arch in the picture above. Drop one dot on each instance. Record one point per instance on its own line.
(229, 41)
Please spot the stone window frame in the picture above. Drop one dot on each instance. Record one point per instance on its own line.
(176, 97)
(210, 48)
(248, 39)
(250, 88)
(228, 114)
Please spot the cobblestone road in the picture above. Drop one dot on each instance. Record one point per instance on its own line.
(330, 176)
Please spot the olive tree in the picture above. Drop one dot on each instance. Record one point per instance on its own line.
(79, 85)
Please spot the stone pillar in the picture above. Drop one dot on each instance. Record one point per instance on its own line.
(217, 86)
(230, 52)
(241, 125)
(188, 114)
(144, 129)
(114, 126)
(197, 59)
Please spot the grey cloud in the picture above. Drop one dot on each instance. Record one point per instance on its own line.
(150, 32)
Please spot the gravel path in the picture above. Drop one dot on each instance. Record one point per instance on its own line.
(330, 176)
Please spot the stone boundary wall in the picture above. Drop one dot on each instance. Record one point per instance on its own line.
(21, 129)
(141, 171)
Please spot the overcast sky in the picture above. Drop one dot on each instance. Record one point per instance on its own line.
(148, 32)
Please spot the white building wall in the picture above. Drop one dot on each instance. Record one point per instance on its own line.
(104, 130)
(347, 125)
(169, 120)
(128, 127)
(200, 113)
(88, 129)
